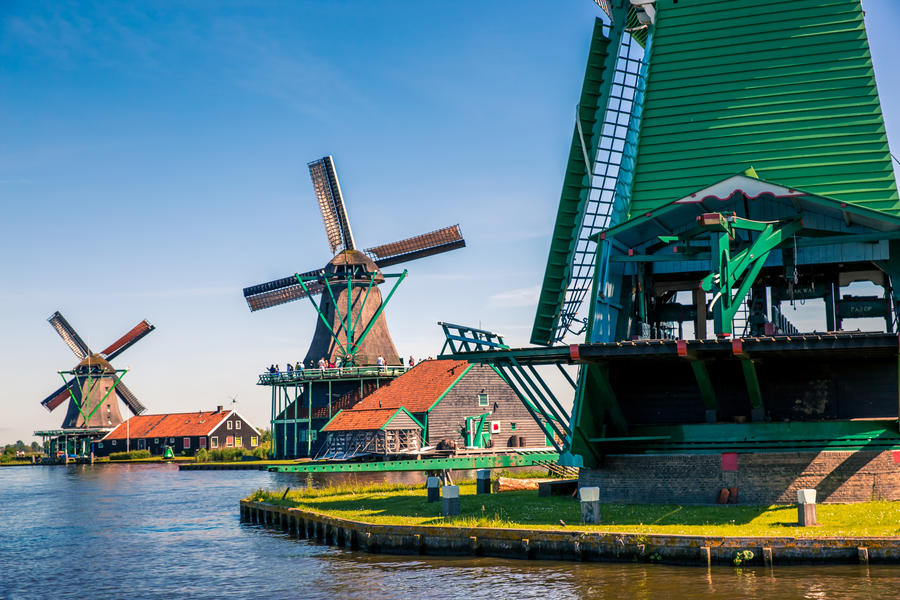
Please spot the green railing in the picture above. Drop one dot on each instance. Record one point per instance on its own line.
(302, 375)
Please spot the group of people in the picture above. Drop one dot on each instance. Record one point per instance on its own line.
(331, 363)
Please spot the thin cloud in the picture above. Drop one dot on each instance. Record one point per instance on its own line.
(516, 298)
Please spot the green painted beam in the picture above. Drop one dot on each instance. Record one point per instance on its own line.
(456, 463)
(701, 374)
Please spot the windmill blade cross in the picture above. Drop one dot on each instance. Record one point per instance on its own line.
(69, 336)
(128, 340)
(280, 291)
(419, 246)
(331, 203)
(130, 400)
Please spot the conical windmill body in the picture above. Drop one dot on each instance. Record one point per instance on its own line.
(351, 323)
(93, 387)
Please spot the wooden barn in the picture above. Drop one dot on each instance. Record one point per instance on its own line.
(454, 403)
(183, 432)
(373, 431)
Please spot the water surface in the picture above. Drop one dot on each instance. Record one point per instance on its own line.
(151, 531)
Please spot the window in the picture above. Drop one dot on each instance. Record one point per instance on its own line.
(155, 440)
(100, 445)
(237, 424)
(229, 441)
(512, 426)
(171, 440)
(114, 442)
(187, 443)
(214, 442)
(203, 442)
(254, 441)
(237, 442)
(229, 425)
(483, 400)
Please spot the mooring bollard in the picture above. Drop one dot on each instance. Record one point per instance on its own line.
(590, 504)
(450, 500)
(433, 485)
(806, 508)
(483, 481)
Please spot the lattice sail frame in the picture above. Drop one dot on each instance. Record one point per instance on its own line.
(608, 153)
(331, 203)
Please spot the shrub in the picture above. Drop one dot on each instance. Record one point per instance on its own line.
(227, 454)
(262, 451)
(201, 455)
(130, 455)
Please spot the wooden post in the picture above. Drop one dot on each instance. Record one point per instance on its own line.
(450, 500)
(700, 319)
(806, 508)
(590, 504)
(433, 485)
(483, 481)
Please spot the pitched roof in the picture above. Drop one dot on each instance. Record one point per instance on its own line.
(361, 420)
(417, 389)
(169, 425)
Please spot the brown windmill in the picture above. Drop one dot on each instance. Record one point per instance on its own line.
(351, 323)
(93, 387)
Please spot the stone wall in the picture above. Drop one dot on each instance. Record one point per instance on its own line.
(761, 478)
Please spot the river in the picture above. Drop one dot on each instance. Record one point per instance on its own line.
(150, 531)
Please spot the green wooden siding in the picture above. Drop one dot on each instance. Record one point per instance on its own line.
(787, 87)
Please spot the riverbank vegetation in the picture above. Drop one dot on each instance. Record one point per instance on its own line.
(396, 504)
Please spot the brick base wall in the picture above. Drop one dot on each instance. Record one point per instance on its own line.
(765, 478)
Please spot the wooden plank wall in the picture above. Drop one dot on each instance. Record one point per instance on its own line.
(447, 419)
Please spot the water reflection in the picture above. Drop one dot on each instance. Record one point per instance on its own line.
(127, 531)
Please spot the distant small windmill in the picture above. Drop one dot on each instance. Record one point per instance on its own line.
(91, 383)
(351, 322)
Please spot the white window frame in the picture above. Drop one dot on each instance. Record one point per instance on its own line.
(254, 441)
(238, 442)
(228, 424)
(202, 442)
(213, 442)
(487, 400)
(229, 441)
(114, 442)
(237, 424)
(186, 443)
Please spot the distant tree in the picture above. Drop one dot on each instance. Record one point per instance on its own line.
(266, 435)
(35, 447)
(20, 446)
(9, 449)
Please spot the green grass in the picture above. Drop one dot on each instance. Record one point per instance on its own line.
(406, 505)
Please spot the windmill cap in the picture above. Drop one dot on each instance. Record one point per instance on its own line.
(353, 258)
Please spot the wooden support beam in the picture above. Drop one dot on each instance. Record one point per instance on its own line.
(700, 319)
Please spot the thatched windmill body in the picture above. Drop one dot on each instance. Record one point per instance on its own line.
(351, 324)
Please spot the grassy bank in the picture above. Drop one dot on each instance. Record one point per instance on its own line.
(407, 505)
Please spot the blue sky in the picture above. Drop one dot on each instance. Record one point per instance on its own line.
(153, 163)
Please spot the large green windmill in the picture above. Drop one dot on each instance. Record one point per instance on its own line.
(729, 157)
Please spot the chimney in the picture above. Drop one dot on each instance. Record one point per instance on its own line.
(219, 408)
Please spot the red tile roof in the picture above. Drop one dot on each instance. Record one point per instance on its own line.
(360, 420)
(169, 425)
(417, 389)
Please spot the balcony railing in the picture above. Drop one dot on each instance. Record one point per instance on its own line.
(302, 375)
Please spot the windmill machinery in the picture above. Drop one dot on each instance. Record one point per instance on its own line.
(93, 384)
(351, 323)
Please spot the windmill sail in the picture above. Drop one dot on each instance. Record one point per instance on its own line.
(427, 244)
(331, 203)
(280, 291)
(128, 340)
(69, 336)
(130, 400)
(58, 397)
